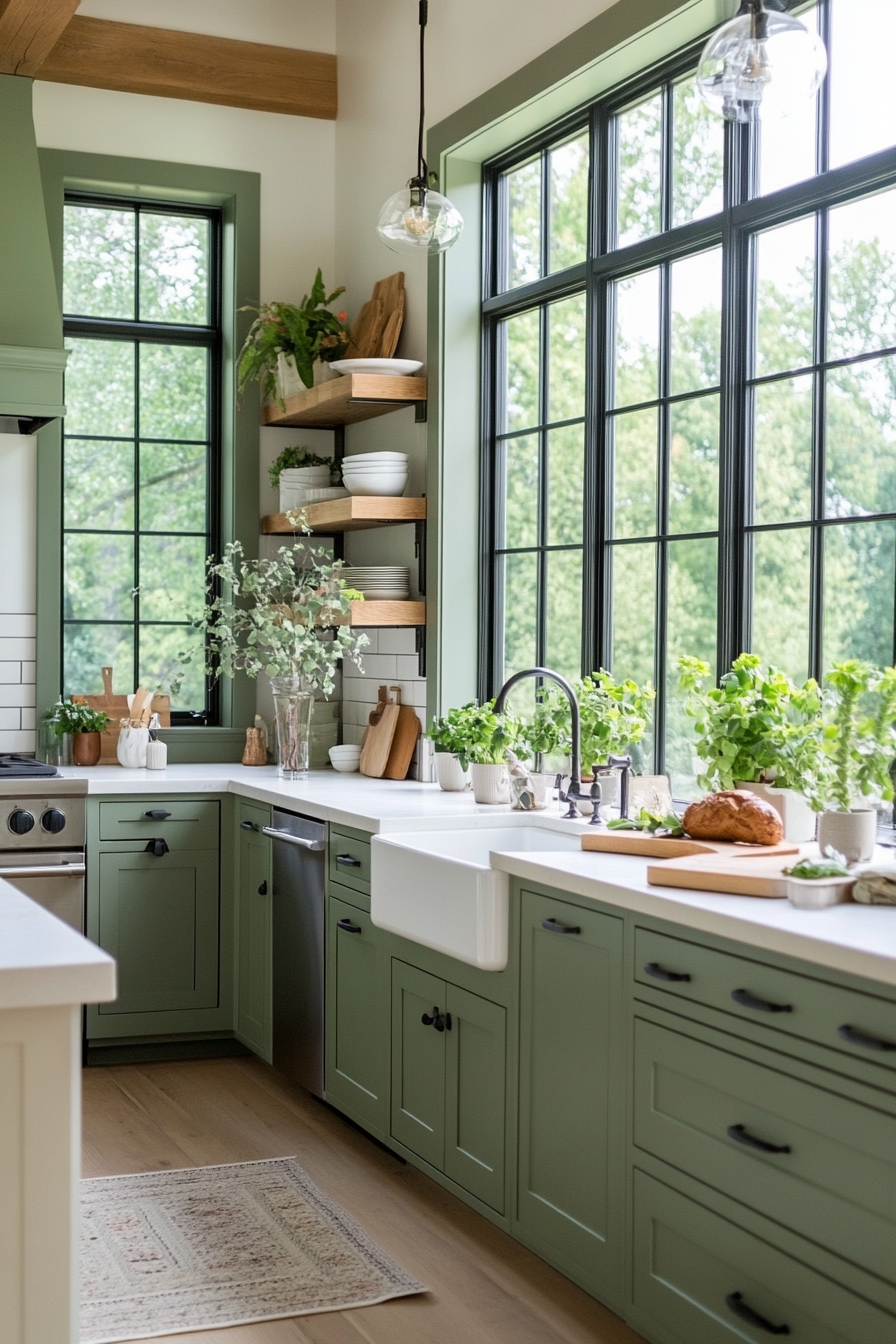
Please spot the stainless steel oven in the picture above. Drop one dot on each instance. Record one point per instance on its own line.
(42, 837)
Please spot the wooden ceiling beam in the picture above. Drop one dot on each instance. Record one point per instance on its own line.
(102, 54)
(29, 30)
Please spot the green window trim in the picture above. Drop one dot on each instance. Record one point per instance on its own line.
(238, 196)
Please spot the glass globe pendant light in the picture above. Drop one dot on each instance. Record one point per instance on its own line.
(761, 65)
(417, 218)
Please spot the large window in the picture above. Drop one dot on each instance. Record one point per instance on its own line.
(690, 383)
(141, 302)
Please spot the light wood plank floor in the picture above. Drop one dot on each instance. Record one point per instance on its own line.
(485, 1288)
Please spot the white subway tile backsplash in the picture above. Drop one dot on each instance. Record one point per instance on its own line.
(17, 740)
(352, 733)
(359, 688)
(378, 665)
(16, 626)
(398, 640)
(17, 648)
(29, 672)
(413, 693)
(11, 672)
(16, 695)
(29, 717)
(407, 667)
(11, 718)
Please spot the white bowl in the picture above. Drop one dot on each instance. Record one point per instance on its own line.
(345, 753)
(389, 368)
(357, 468)
(306, 476)
(347, 767)
(393, 485)
(371, 458)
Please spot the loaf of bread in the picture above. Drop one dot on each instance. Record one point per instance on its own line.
(734, 815)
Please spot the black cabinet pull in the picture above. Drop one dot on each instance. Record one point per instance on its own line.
(430, 1021)
(263, 889)
(739, 1134)
(347, 861)
(442, 1022)
(554, 926)
(735, 1302)
(856, 1037)
(157, 848)
(659, 973)
(244, 825)
(348, 927)
(748, 1000)
(157, 814)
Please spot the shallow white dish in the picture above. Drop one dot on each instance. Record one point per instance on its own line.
(376, 457)
(386, 594)
(389, 368)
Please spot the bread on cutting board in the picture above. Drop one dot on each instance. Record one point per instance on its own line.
(734, 814)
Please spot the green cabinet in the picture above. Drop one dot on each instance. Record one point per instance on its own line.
(253, 931)
(357, 1059)
(449, 1063)
(570, 1187)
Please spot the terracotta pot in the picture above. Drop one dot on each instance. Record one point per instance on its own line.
(86, 748)
(853, 834)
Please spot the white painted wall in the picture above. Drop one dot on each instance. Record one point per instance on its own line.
(17, 599)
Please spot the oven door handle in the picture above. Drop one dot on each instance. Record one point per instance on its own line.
(45, 870)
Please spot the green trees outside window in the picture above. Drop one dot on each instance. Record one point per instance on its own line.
(690, 410)
(140, 303)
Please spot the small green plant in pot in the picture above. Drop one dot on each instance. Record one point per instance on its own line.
(85, 726)
(859, 746)
(758, 730)
(479, 739)
(298, 456)
(305, 334)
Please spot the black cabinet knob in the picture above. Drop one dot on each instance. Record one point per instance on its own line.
(428, 1019)
(53, 820)
(263, 889)
(158, 848)
(157, 814)
(21, 822)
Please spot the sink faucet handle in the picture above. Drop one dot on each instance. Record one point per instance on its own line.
(624, 765)
(597, 797)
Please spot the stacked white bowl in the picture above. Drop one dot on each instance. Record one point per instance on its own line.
(376, 473)
(346, 759)
(381, 583)
(305, 476)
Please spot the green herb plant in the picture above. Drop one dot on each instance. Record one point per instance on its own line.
(757, 726)
(66, 717)
(297, 456)
(476, 735)
(859, 739)
(614, 717)
(652, 823)
(308, 332)
(833, 865)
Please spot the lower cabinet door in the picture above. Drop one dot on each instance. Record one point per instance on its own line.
(357, 1017)
(571, 1100)
(704, 1280)
(158, 917)
(475, 1105)
(418, 1063)
(253, 1011)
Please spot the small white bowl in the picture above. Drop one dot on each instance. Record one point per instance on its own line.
(371, 458)
(346, 749)
(392, 485)
(389, 368)
(344, 760)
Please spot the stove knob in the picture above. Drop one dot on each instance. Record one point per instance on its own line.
(53, 821)
(21, 822)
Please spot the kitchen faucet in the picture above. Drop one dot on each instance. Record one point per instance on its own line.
(574, 792)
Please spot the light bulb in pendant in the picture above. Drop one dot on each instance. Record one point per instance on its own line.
(761, 65)
(418, 219)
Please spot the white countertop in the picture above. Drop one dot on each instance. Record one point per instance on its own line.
(43, 962)
(859, 940)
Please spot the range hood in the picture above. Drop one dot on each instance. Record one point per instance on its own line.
(32, 358)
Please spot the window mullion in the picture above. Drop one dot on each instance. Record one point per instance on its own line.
(819, 469)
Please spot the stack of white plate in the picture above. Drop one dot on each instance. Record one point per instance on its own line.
(297, 497)
(381, 583)
(307, 476)
(376, 473)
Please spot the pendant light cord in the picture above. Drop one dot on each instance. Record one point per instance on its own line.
(422, 172)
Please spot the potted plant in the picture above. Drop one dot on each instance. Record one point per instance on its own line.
(298, 457)
(450, 740)
(85, 725)
(758, 730)
(275, 616)
(293, 342)
(480, 738)
(859, 746)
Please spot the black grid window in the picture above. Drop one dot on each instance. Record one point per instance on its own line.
(716, 343)
(141, 446)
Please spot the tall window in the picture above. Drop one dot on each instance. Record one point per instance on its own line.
(141, 318)
(690, 383)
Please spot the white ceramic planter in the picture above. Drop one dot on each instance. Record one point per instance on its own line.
(131, 748)
(796, 815)
(451, 777)
(853, 834)
(289, 384)
(491, 784)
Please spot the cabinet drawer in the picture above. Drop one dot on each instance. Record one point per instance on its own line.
(833, 1176)
(187, 825)
(349, 859)
(359, 899)
(848, 1020)
(710, 1282)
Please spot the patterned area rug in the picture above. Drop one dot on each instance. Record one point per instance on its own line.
(167, 1252)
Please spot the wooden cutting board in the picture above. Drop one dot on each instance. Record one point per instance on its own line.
(404, 743)
(749, 873)
(656, 847)
(375, 331)
(378, 738)
(116, 706)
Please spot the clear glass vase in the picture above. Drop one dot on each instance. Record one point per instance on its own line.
(293, 707)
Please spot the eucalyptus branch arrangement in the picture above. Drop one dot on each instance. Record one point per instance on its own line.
(285, 616)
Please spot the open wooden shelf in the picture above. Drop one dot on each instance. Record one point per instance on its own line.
(387, 613)
(351, 514)
(345, 401)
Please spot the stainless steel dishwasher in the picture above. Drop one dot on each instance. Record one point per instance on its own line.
(298, 913)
